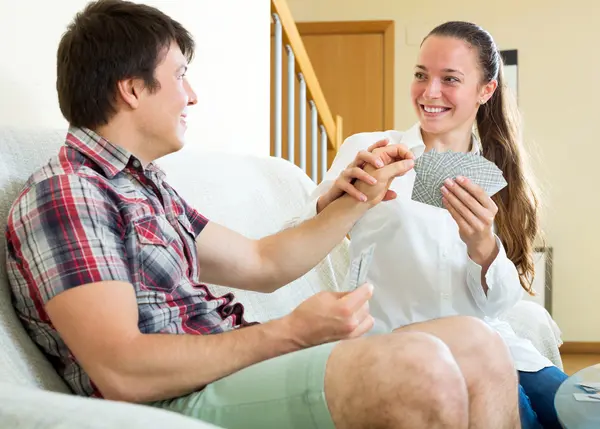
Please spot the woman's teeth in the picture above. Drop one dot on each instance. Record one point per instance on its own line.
(434, 109)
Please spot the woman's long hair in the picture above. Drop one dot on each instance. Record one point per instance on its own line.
(498, 126)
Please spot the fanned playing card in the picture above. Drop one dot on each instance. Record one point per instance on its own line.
(357, 274)
(433, 168)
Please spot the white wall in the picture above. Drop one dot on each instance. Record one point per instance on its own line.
(230, 72)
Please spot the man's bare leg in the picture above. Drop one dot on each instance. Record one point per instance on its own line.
(400, 381)
(486, 365)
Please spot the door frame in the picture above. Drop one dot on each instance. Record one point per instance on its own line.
(365, 27)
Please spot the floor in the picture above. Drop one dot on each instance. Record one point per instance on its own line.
(574, 362)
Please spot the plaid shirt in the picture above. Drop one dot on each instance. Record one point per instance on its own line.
(93, 214)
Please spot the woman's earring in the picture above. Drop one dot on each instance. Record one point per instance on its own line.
(482, 101)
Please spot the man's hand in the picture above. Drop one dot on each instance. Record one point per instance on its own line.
(376, 156)
(331, 316)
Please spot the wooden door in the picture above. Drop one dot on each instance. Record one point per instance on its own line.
(354, 63)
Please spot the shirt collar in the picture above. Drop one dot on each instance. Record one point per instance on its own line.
(413, 139)
(112, 159)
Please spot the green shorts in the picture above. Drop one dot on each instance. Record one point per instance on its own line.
(287, 392)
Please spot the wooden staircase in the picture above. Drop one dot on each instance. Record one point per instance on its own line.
(310, 141)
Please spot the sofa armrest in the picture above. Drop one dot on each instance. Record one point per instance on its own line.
(32, 408)
(532, 321)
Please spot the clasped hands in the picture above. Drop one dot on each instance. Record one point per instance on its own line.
(368, 177)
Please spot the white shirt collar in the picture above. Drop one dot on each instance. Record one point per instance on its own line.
(413, 139)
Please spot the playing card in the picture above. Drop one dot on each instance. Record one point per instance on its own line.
(433, 168)
(422, 191)
(365, 264)
(359, 268)
(585, 397)
(589, 387)
(423, 187)
(590, 384)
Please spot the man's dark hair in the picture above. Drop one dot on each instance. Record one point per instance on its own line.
(111, 40)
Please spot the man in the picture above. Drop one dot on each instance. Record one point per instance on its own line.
(106, 262)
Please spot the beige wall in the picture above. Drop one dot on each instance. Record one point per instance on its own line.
(559, 95)
(30, 32)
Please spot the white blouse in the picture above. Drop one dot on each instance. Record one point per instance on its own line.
(420, 267)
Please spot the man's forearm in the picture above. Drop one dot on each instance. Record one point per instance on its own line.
(154, 366)
(293, 252)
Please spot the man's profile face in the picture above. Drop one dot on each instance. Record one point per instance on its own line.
(162, 113)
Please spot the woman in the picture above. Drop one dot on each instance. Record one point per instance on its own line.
(476, 257)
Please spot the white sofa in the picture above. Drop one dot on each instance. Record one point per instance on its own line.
(253, 195)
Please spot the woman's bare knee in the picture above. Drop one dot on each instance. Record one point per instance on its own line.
(411, 379)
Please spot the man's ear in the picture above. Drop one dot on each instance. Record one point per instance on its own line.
(130, 90)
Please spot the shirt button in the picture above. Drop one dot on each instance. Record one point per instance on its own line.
(136, 164)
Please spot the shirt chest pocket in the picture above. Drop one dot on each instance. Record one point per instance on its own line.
(159, 260)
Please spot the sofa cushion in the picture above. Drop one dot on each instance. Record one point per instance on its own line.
(26, 408)
(21, 362)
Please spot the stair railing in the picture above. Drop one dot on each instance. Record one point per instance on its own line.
(325, 131)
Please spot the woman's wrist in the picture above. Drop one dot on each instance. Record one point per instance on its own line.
(483, 254)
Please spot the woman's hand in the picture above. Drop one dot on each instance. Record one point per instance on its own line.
(345, 183)
(474, 212)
